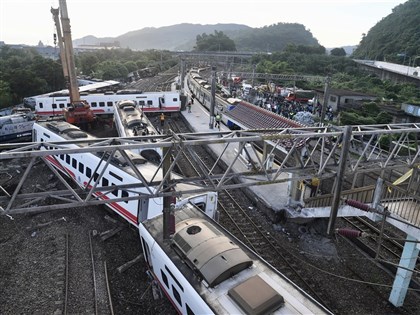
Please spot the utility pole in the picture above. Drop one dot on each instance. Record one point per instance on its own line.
(213, 96)
(168, 214)
(182, 74)
(339, 179)
(326, 98)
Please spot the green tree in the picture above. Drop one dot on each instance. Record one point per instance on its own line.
(339, 52)
(48, 70)
(214, 42)
(130, 66)
(88, 63)
(5, 95)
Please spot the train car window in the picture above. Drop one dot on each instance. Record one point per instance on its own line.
(176, 295)
(115, 191)
(41, 105)
(101, 104)
(175, 279)
(62, 157)
(116, 176)
(93, 104)
(189, 311)
(54, 106)
(201, 206)
(141, 103)
(175, 99)
(146, 251)
(61, 105)
(95, 176)
(124, 194)
(81, 168)
(68, 104)
(105, 182)
(109, 104)
(88, 172)
(74, 163)
(164, 278)
(149, 102)
(68, 159)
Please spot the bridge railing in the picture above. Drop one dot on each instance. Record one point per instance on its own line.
(398, 201)
(362, 194)
(402, 203)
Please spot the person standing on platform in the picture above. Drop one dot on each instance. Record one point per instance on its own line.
(218, 120)
(162, 120)
(189, 106)
(314, 186)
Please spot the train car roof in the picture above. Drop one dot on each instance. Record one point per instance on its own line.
(147, 169)
(202, 244)
(98, 85)
(92, 88)
(70, 132)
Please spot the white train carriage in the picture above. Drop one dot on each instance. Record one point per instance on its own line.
(205, 270)
(103, 103)
(81, 167)
(130, 121)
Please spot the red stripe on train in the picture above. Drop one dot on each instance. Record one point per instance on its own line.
(124, 212)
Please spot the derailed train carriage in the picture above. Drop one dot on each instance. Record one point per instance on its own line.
(202, 268)
(103, 103)
(89, 170)
(130, 121)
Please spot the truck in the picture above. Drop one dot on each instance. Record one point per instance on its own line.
(301, 96)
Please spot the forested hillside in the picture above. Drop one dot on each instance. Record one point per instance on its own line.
(396, 38)
(183, 37)
(274, 37)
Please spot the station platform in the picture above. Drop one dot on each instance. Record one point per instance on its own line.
(274, 196)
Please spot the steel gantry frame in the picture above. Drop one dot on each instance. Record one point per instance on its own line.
(313, 151)
(272, 76)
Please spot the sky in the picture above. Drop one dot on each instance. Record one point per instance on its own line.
(334, 23)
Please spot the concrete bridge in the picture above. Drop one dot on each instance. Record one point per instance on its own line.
(391, 71)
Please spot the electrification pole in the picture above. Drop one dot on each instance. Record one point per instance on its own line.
(213, 96)
(339, 179)
(326, 97)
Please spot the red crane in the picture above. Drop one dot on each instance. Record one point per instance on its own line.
(79, 111)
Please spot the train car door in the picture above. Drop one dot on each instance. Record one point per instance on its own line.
(161, 102)
(143, 210)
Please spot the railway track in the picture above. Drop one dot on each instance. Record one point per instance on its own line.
(386, 250)
(86, 288)
(237, 218)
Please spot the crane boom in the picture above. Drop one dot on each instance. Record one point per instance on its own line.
(78, 111)
(68, 46)
(56, 19)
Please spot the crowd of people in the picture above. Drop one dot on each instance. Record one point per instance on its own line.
(278, 104)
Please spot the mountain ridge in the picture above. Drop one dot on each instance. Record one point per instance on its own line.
(183, 36)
